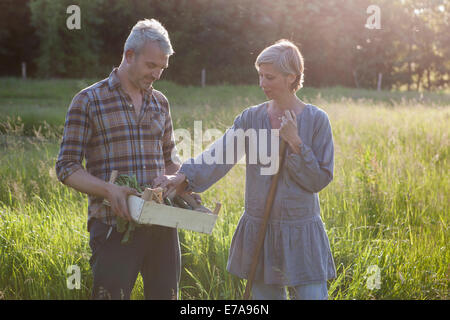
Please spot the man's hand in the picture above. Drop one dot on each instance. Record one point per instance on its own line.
(117, 197)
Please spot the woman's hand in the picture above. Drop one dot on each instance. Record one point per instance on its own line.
(170, 183)
(289, 130)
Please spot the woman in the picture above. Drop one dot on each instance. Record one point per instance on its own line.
(296, 252)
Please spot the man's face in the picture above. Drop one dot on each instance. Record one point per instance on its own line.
(147, 65)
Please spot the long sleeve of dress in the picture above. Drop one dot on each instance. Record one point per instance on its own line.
(313, 168)
(215, 162)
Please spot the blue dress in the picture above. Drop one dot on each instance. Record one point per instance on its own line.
(296, 247)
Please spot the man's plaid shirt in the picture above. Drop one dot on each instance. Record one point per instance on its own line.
(102, 127)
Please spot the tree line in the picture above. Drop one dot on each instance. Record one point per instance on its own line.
(410, 49)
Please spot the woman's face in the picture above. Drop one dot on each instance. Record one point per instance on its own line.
(274, 83)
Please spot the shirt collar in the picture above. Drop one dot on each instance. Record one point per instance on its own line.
(114, 82)
(113, 79)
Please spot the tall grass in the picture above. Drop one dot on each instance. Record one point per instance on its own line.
(387, 206)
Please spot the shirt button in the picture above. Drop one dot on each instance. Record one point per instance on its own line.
(130, 105)
(144, 167)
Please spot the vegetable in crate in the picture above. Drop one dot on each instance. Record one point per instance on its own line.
(124, 226)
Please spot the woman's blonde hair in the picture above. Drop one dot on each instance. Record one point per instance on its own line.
(286, 58)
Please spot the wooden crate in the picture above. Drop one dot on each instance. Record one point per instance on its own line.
(150, 212)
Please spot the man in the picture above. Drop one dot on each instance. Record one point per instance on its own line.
(122, 123)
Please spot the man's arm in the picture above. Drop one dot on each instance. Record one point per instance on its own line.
(117, 196)
(84, 182)
(69, 170)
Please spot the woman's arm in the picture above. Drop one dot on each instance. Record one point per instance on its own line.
(311, 167)
(211, 165)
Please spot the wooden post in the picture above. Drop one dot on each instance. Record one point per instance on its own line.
(355, 77)
(24, 70)
(380, 76)
(203, 77)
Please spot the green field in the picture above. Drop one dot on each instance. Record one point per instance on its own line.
(387, 206)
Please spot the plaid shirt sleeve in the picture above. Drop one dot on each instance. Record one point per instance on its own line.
(77, 131)
(168, 139)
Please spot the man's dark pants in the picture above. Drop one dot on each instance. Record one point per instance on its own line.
(154, 251)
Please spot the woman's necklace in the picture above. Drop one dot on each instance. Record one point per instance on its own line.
(275, 114)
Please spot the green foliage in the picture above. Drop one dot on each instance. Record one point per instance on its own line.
(18, 41)
(411, 50)
(66, 52)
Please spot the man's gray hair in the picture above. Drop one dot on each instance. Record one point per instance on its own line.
(148, 30)
(286, 58)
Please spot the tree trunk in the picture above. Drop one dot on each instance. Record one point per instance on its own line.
(419, 79)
